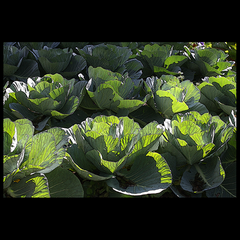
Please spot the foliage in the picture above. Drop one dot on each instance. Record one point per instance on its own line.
(119, 119)
(16, 65)
(160, 60)
(120, 91)
(68, 64)
(169, 96)
(116, 149)
(49, 96)
(29, 161)
(193, 143)
(219, 94)
(207, 62)
(108, 56)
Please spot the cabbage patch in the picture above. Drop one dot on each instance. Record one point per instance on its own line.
(119, 119)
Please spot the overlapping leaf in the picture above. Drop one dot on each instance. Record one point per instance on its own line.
(50, 96)
(113, 91)
(107, 145)
(219, 94)
(196, 141)
(169, 96)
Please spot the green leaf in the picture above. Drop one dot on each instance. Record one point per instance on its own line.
(40, 105)
(159, 71)
(75, 66)
(16, 134)
(195, 137)
(15, 63)
(59, 135)
(105, 166)
(209, 56)
(146, 140)
(9, 70)
(155, 55)
(78, 160)
(192, 154)
(113, 100)
(101, 75)
(225, 107)
(203, 176)
(175, 60)
(192, 93)
(63, 183)
(21, 111)
(133, 67)
(25, 131)
(51, 95)
(228, 187)
(28, 68)
(34, 186)
(168, 104)
(150, 174)
(105, 97)
(42, 154)
(113, 91)
(69, 108)
(8, 133)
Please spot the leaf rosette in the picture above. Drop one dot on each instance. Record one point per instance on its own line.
(110, 148)
(158, 60)
(170, 96)
(108, 56)
(193, 144)
(16, 64)
(61, 61)
(50, 96)
(31, 162)
(109, 90)
(219, 94)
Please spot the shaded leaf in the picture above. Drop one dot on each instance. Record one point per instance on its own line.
(149, 174)
(63, 183)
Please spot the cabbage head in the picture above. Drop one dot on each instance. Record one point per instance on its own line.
(31, 163)
(119, 151)
(192, 144)
(50, 96)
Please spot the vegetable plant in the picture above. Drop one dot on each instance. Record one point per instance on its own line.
(31, 162)
(42, 98)
(170, 96)
(118, 151)
(207, 62)
(61, 61)
(219, 94)
(109, 90)
(108, 56)
(192, 144)
(158, 60)
(16, 64)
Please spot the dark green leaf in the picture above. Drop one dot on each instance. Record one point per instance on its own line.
(62, 183)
